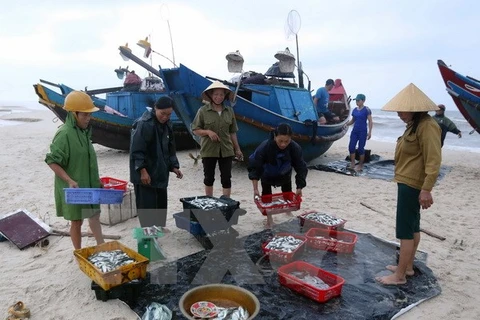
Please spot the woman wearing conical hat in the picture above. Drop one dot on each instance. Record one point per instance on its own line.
(417, 164)
(216, 125)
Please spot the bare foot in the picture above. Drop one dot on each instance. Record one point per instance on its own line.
(394, 269)
(267, 224)
(391, 280)
(359, 168)
(165, 230)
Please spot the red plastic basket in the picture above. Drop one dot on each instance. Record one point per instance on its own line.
(307, 223)
(282, 256)
(335, 241)
(290, 281)
(112, 183)
(265, 206)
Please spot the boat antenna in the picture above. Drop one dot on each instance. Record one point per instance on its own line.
(165, 13)
(292, 26)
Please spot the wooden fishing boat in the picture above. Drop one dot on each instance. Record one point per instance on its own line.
(259, 108)
(111, 125)
(465, 92)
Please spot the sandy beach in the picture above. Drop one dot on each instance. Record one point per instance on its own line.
(49, 281)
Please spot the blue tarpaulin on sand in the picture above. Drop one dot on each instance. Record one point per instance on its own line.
(244, 264)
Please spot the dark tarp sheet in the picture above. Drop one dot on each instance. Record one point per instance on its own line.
(375, 169)
(362, 297)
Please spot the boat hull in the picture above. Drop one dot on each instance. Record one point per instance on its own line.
(465, 92)
(109, 130)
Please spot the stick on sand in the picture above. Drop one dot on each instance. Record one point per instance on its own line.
(430, 233)
(56, 232)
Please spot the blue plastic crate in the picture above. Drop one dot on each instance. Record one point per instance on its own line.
(183, 221)
(93, 196)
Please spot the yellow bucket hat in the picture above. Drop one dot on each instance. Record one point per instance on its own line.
(410, 99)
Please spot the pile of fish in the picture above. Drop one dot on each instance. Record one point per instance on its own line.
(323, 218)
(239, 313)
(207, 203)
(330, 239)
(311, 280)
(151, 231)
(107, 261)
(275, 202)
(284, 243)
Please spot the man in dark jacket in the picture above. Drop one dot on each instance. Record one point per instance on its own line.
(152, 158)
(445, 123)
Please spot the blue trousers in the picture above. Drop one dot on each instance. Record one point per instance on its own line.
(361, 138)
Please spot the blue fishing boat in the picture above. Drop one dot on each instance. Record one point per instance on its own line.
(112, 124)
(465, 92)
(259, 108)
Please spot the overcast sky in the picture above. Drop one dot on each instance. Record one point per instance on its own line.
(376, 47)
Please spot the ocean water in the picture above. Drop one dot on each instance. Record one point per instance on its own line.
(387, 127)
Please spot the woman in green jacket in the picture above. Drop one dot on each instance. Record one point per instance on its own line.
(418, 157)
(74, 162)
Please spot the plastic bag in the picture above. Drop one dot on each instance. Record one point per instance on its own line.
(157, 311)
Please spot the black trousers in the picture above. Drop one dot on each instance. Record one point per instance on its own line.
(267, 188)
(225, 166)
(151, 201)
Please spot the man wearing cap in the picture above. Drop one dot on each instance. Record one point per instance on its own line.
(320, 100)
(418, 156)
(360, 115)
(445, 123)
(152, 158)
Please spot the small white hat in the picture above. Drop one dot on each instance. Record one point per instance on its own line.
(217, 85)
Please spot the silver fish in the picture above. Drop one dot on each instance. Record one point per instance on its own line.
(207, 203)
(284, 243)
(311, 280)
(107, 261)
(323, 218)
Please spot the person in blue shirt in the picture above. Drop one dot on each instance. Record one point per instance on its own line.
(360, 134)
(320, 100)
(272, 163)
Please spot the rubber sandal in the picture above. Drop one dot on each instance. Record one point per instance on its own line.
(19, 310)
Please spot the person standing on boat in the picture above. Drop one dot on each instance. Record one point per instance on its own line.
(320, 100)
(360, 134)
(445, 123)
(73, 159)
(418, 156)
(152, 158)
(216, 126)
(272, 164)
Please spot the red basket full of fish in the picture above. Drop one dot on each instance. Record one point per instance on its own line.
(283, 247)
(310, 281)
(331, 240)
(278, 203)
(314, 219)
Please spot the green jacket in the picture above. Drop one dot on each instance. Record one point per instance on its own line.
(223, 125)
(418, 155)
(72, 149)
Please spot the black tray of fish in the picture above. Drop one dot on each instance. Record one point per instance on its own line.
(216, 208)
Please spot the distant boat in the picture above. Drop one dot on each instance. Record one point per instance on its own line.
(111, 125)
(259, 108)
(465, 92)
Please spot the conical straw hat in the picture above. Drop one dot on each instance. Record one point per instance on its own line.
(217, 85)
(410, 99)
